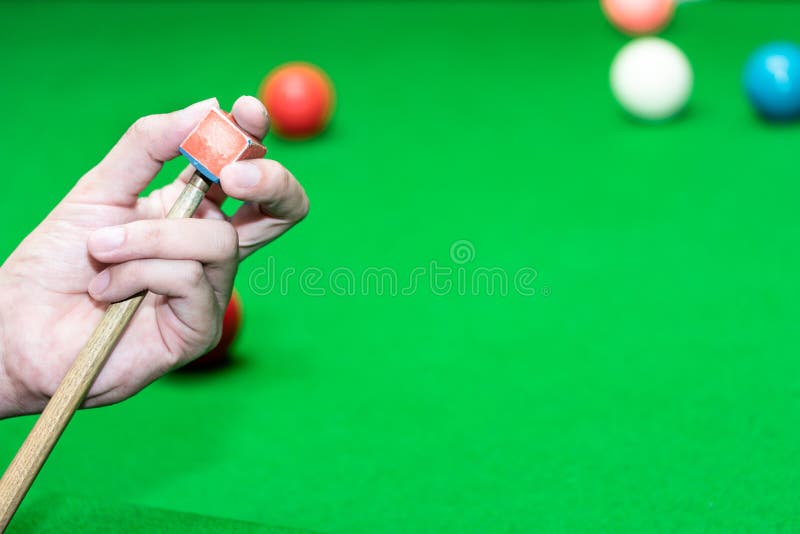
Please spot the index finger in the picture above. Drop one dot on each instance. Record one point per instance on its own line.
(139, 155)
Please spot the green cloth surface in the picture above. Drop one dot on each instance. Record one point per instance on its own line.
(651, 383)
(70, 513)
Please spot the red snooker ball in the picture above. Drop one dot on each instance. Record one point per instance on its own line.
(639, 17)
(299, 98)
(231, 322)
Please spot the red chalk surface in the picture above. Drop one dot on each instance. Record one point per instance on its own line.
(218, 141)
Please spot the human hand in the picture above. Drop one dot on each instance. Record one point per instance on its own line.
(104, 243)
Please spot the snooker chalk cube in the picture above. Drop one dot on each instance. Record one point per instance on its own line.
(217, 141)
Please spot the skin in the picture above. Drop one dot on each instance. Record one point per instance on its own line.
(104, 242)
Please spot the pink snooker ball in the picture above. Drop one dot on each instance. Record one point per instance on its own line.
(639, 17)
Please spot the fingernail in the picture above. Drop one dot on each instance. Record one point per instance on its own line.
(259, 103)
(242, 173)
(203, 104)
(107, 239)
(100, 283)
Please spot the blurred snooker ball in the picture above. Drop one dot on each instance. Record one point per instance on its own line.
(652, 79)
(299, 98)
(639, 17)
(772, 81)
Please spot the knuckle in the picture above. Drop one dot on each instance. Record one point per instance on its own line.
(124, 276)
(194, 273)
(285, 181)
(214, 334)
(142, 127)
(147, 133)
(171, 360)
(279, 177)
(228, 244)
(302, 213)
(150, 233)
(271, 166)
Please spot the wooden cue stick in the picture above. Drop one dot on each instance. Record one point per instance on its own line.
(73, 389)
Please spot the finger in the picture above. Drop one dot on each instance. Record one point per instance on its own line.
(203, 240)
(192, 299)
(139, 155)
(251, 115)
(274, 201)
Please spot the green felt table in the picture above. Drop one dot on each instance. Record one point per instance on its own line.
(651, 382)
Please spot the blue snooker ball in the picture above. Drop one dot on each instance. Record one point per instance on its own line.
(772, 81)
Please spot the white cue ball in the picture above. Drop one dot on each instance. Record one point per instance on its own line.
(651, 78)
